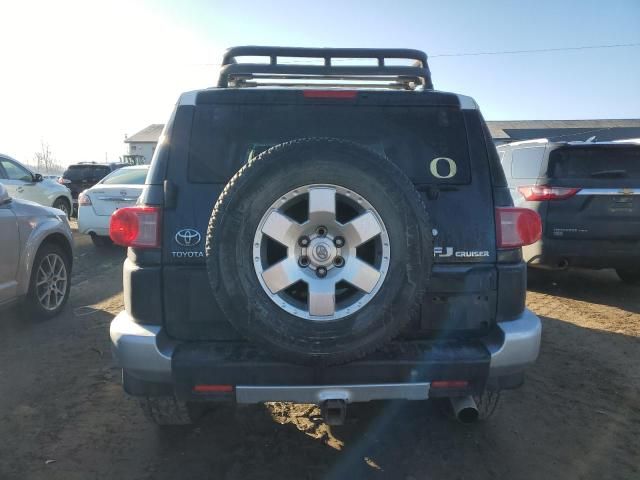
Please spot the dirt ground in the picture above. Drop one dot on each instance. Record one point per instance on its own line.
(63, 414)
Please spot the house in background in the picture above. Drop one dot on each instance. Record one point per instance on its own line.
(143, 144)
(145, 141)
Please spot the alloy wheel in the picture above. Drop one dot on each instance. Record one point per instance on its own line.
(321, 252)
(51, 282)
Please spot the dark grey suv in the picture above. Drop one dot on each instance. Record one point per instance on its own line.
(334, 242)
(588, 195)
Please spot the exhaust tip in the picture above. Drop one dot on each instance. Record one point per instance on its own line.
(465, 409)
(467, 415)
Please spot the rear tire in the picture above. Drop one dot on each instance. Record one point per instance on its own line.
(63, 204)
(631, 277)
(101, 241)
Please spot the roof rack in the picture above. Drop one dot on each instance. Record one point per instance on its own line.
(273, 73)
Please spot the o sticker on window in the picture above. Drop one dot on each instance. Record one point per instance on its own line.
(433, 167)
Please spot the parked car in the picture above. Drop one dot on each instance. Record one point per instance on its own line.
(588, 195)
(22, 183)
(327, 244)
(36, 256)
(83, 175)
(119, 189)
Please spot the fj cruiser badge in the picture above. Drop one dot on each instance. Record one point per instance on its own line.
(444, 252)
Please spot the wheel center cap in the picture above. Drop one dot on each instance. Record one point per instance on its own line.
(322, 251)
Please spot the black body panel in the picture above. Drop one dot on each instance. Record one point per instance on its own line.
(398, 362)
(462, 302)
(466, 294)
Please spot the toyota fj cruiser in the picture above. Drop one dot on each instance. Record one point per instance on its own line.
(324, 232)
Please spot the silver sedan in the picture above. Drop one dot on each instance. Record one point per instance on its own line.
(36, 254)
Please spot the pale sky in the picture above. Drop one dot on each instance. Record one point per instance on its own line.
(81, 74)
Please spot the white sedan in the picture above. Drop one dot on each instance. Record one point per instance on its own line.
(120, 188)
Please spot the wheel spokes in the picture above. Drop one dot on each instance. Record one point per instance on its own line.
(361, 275)
(322, 205)
(362, 229)
(281, 228)
(281, 275)
(322, 298)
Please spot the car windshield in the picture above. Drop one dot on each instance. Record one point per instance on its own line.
(126, 176)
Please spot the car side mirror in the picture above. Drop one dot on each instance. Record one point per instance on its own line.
(4, 195)
(37, 177)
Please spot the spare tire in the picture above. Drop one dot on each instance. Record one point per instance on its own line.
(320, 250)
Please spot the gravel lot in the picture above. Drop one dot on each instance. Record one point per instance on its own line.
(63, 414)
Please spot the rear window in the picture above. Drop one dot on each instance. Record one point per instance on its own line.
(526, 162)
(85, 172)
(428, 143)
(126, 177)
(595, 162)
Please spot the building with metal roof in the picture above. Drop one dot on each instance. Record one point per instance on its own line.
(144, 142)
(563, 130)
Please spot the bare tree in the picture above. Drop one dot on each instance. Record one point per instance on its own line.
(44, 160)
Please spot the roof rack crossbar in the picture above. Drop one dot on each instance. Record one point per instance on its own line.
(231, 69)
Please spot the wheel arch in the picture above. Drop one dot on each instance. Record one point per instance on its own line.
(64, 197)
(60, 241)
(49, 231)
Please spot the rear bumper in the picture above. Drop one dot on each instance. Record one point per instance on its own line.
(89, 222)
(400, 370)
(560, 253)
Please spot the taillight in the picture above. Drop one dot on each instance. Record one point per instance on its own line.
(137, 227)
(342, 94)
(84, 200)
(538, 193)
(63, 181)
(517, 227)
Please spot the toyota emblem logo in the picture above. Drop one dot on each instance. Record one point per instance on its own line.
(188, 237)
(322, 252)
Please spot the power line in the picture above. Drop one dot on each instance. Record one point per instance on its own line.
(535, 50)
(475, 54)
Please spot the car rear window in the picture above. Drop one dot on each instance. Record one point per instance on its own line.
(595, 162)
(526, 162)
(428, 143)
(126, 177)
(83, 172)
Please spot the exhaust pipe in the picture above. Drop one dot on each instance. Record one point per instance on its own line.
(464, 409)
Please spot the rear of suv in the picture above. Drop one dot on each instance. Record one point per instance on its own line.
(80, 176)
(588, 196)
(323, 234)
